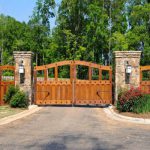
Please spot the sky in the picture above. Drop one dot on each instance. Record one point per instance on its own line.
(21, 10)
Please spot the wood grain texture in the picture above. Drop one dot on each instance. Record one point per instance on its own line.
(145, 85)
(5, 84)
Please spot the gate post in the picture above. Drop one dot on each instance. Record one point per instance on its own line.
(127, 70)
(24, 72)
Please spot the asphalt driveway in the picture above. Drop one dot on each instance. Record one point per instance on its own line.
(73, 128)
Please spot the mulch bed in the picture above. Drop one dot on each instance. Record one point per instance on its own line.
(130, 114)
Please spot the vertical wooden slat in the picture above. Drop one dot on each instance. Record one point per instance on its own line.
(141, 76)
(45, 74)
(110, 85)
(71, 72)
(110, 75)
(50, 93)
(2, 93)
(67, 94)
(75, 72)
(35, 86)
(53, 92)
(0, 87)
(88, 91)
(73, 83)
(56, 73)
(60, 92)
(63, 92)
(90, 73)
(100, 74)
(37, 94)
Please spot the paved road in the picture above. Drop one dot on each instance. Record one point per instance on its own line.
(73, 128)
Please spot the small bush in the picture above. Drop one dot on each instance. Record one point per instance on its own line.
(12, 90)
(133, 101)
(128, 98)
(19, 100)
(15, 98)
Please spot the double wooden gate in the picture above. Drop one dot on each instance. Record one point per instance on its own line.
(85, 83)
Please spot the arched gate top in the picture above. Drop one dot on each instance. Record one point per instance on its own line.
(71, 62)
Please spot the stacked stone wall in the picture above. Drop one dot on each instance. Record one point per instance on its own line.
(122, 59)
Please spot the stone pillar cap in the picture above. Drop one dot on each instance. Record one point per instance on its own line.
(23, 54)
(127, 52)
(123, 54)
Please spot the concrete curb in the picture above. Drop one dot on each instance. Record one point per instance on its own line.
(32, 109)
(112, 114)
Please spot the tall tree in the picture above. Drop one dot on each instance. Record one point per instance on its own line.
(139, 34)
(40, 24)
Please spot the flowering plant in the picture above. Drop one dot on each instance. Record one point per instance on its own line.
(128, 98)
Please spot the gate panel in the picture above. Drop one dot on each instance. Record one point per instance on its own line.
(94, 91)
(6, 80)
(53, 91)
(145, 79)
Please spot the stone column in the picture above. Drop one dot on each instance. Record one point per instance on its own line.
(24, 57)
(122, 59)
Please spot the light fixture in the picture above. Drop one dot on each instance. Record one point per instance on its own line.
(128, 69)
(21, 67)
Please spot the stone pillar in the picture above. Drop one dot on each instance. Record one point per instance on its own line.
(24, 57)
(122, 59)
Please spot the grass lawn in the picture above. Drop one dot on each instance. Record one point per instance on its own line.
(8, 111)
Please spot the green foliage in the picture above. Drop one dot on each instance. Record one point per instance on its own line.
(128, 98)
(8, 73)
(142, 105)
(12, 90)
(133, 101)
(86, 30)
(119, 41)
(15, 97)
(19, 100)
(136, 105)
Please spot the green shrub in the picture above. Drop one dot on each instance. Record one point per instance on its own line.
(12, 90)
(128, 98)
(19, 100)
(133, 101)
(15, 98)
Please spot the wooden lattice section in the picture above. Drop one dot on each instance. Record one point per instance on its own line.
(145, 79)
(73, 90)
(5, 81)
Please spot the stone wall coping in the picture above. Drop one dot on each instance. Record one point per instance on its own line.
(127, 54)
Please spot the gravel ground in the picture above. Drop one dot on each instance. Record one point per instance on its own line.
(73, 128)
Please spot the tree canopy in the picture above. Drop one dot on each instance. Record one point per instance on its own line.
(85, 30)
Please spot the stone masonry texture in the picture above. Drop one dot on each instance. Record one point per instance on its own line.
(122, 58)
(27, 86)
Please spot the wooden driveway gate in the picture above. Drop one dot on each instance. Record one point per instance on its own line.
(6, 78)
(95, 88)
